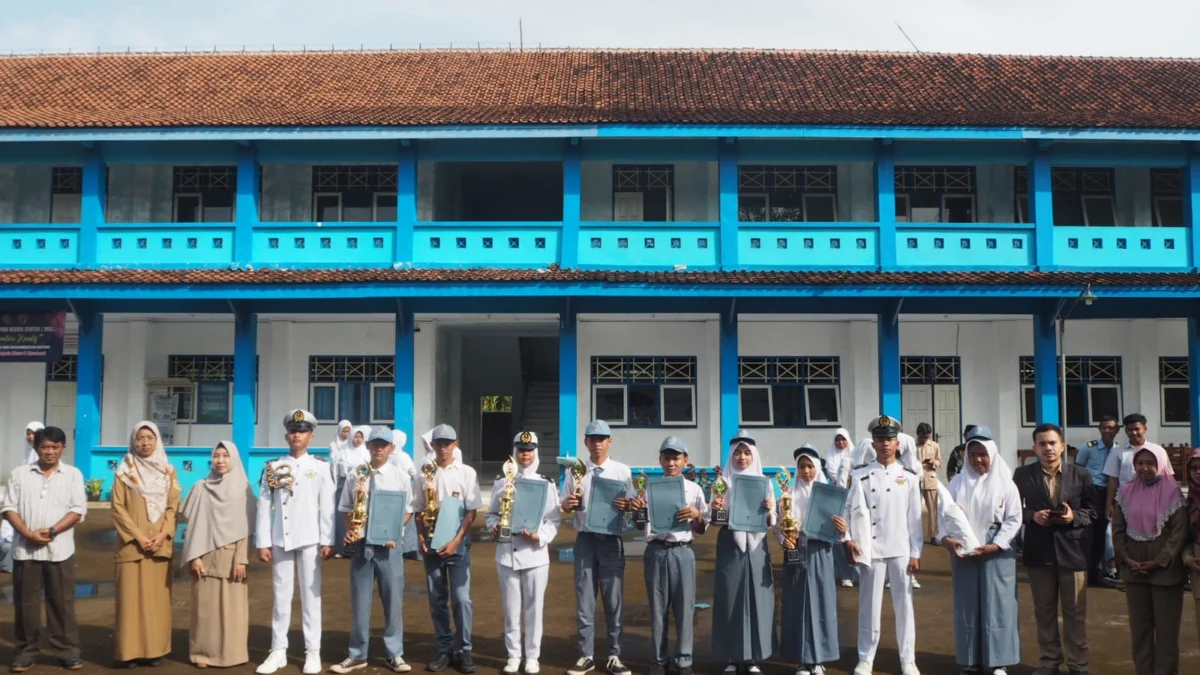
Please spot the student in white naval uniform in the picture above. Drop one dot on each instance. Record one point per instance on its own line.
(300, 533)
(884, 512)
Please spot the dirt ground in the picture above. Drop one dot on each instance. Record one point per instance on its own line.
(935, 641)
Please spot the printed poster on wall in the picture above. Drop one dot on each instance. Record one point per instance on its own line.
(163, 411)
(32, 336)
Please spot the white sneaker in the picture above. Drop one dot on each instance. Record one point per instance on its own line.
(863, 668)
(846, 583)
(818, 670)
(909, 668)
(398, 665)
(1000, 671)
(312, 662)
(803, 671)
(513, 665)
(531, 667)
(915, 583)
(276, 659)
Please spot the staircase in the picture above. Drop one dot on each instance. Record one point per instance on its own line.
(541, 417)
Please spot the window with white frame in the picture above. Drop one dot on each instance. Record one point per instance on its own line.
(209, 397)
(1092, 389)
(643, 193)
(787, 193)
(354, 193)
(66, 194)
(935, 194)
(204, 194)
(644, 391)
(789, 391)
(1083, 196)
(1166, 188)
(1175, 401)
(361, 389)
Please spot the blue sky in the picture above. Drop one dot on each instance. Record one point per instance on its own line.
(1096, 27)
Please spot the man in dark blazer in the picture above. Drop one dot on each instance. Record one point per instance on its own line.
(1059, 504)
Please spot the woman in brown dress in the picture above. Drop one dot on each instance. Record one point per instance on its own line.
(145, 499)
(1191, 552)
(218, 512)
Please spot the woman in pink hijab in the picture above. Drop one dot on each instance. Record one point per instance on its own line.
(1150, 528)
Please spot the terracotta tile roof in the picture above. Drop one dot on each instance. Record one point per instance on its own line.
(207, 277)
(407, 88)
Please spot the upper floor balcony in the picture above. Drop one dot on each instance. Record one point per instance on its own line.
(655, 203)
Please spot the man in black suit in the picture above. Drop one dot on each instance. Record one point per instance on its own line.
(1059, 504)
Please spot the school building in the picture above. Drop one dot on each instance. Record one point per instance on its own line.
(678, 242)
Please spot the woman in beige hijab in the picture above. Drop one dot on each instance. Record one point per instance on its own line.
(145, 499)
(218, 512)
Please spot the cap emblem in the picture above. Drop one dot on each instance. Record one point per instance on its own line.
(885, 422)
(525, 437)
(298, 416)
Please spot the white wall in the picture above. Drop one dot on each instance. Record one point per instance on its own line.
(696, 198)
(22, 400)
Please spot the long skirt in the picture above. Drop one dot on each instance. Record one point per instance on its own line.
(985, 611)
(743, 626)
(220, 622)
(143, 629)
(809, 634)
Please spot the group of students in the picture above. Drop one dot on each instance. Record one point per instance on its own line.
(1156, 536)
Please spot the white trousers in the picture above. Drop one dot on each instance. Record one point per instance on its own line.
(870, 606)
(523, 589)
(303, 564)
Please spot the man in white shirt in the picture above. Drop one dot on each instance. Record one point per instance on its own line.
(43, 503)
(887, 495)
(448, 568)
(599, 557)
(375, 561)
(298, 489)
(1119, 465)
(670, 566)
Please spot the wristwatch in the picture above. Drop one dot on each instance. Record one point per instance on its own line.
(53, 534)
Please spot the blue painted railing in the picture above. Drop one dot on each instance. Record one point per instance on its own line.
(596, 245)
(191, 464)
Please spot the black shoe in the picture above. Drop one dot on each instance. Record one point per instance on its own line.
(615, 667)
(154, 663)
(1081, 671)
(583, 666)
(463, 663)
(685, 671)
(439, 663)
(657, 669)
(20, 664)
(134, 663)
(71, 664)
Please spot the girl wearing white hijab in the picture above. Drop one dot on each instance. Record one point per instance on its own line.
(32, 428)
(743, 624)
(808, 635)
(145, 500)
(985, 580)
(355, 454)
(218, 513)
(839, 463)
(340, 443)
(523, 564)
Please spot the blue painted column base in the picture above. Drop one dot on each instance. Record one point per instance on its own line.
(1045, 369)
(890, 403)
(89, 372)
(730, 397)
(245, 376)
(568, 384)
(405, 375)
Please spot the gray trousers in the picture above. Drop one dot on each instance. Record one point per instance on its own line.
(449, 582)
(671, 589)
(599, 566)
(384, 568)
(6, 557)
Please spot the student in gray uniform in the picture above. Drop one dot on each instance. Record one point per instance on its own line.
(670, 567)
(986, 631)
(809, 635)
(743, 620)
(599, 558)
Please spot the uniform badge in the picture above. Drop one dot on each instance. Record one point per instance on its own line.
(525, 437)
(310, 475)
(298, 416)
(900, 480)
(885, 422)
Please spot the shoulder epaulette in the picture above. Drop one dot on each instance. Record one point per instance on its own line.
(1092, 444)
(860, 466)
(323, 458)
(910, 471)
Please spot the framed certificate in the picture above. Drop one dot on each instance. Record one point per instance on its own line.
(602, 516)
(665, 496)
(385, 517)
(826, 502)
(747, 512)
(529, 504)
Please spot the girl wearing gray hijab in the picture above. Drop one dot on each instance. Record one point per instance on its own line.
(218, 513)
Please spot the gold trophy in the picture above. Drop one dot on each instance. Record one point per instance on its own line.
(641, 517)
(280, 477)
(720, 510)
(430, 514)
(358, 517)
(787, 524)
(507, 495)
(578, 472)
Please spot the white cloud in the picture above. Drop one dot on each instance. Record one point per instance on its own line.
(1098, 27)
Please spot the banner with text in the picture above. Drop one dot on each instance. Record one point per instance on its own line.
(32, 336)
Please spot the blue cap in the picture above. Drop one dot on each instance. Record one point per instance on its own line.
(443, 432)
(381, 434)
(673, 444)
(597, 428)
(980, 433)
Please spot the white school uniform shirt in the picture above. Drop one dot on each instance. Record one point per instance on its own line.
(891, 497)
(348, 460)
(388, 477)
(303, 517)
(1119, 464)
(693, 496)
(520, 553)
(457, 480)
(610, 469)
(41, 502)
